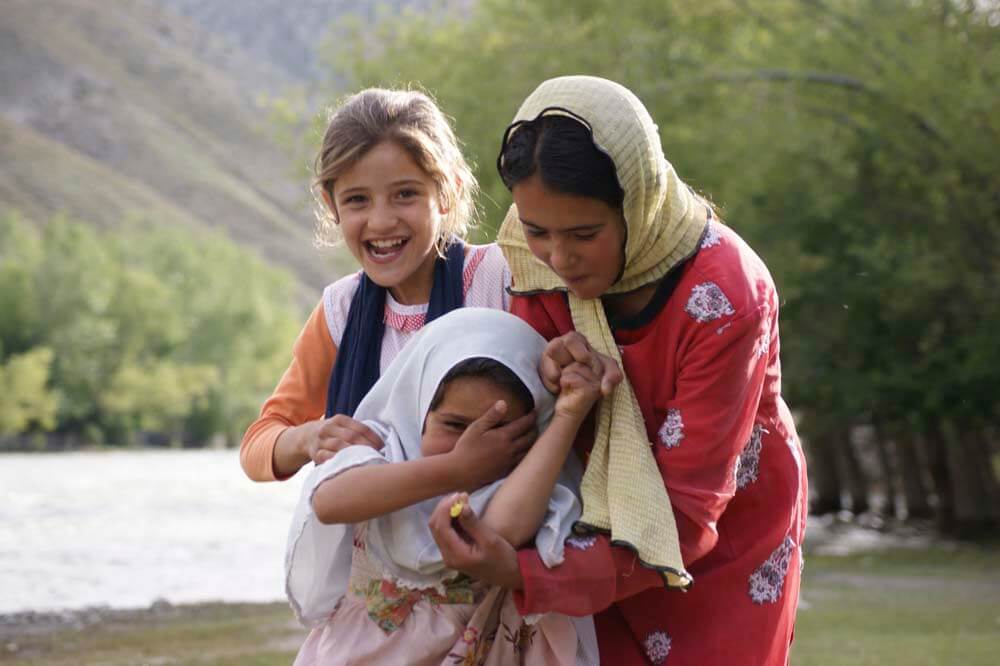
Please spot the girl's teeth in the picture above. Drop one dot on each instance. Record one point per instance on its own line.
(385, 245)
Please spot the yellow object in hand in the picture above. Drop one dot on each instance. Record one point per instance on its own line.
(456, 509)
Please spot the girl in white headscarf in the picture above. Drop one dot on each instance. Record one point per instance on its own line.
(362, 567)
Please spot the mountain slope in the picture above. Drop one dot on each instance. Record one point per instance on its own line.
(108, 110)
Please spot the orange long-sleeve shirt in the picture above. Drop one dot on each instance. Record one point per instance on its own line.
(300, 397)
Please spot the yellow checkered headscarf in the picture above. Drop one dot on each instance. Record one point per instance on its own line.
(623, 491)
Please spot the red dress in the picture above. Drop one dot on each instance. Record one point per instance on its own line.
(704, 366)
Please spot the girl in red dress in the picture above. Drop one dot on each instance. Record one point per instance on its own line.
(695, 477)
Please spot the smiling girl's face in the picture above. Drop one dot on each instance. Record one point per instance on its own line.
(582, 239)
(390, 215)
(465, 400)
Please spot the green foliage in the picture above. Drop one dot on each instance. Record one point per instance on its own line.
(28, 401)
(855, 145)
(116, 335)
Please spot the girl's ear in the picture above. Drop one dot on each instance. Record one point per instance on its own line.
(457, 195)
(328, 200)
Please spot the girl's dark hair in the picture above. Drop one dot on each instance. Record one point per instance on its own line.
(487, 368)
(562, 151)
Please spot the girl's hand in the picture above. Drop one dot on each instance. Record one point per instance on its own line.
(336, 433)
(572, 348)
(472, 547)
(579, 389)
(487, 451)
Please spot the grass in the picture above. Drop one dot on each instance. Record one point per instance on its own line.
(940, 606)
(934, 607)
(215, 634)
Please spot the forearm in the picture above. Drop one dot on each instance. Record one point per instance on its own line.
(363, 493)
(587, 582)
(291, 450)
(517, 509)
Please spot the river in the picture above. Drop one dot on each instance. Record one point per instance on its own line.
(126, 528)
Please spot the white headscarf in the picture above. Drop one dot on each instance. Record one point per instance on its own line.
(318, 557)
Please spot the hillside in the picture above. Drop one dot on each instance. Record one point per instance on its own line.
(289, 34)
(125, 110)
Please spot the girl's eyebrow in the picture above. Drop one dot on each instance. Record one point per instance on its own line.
(576, 229)
(395, 183)
(448, 416)
(406, 181)
(350, 190)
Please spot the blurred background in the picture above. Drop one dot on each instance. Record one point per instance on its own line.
(157, 261)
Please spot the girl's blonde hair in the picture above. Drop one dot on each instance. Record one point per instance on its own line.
(413, 121)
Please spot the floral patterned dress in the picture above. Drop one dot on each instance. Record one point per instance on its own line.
(703, 361)
(467, 623)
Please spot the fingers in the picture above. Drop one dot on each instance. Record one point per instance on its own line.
(365, 435)
(524, 442)
(338, 432)
(490, 418)
(611, 376)
(455, 550)
(520, 426)
(572, 348)
(558, 352)
(549, 371)
(577, 347)
(470, 523)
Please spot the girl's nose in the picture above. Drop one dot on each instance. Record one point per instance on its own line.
(561, 257)
(381, 218)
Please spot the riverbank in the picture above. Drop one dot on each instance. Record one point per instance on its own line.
(213, 633)
(933, 606)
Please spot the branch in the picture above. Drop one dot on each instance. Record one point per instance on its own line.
(812, 78)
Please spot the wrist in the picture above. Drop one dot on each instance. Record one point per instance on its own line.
(307, 435)
(567, 418)
(446, 472)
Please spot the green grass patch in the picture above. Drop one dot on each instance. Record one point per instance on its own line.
(211, 634)
(935, 607)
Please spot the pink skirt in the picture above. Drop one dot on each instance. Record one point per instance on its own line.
(490, 632)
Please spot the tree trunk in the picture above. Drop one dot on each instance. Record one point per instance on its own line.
(851, 473)
(824, 474)
(914, 489)
(972, 503)
(937, 463)
(979, 448)
(886, 468)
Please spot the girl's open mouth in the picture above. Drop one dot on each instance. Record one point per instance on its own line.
(385, 250)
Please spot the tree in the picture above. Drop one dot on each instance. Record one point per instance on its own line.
(856, 145)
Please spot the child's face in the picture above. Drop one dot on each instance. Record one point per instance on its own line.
(389, 213)
(465, 400)
(580, 238)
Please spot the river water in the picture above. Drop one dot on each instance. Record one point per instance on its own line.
(126, 528)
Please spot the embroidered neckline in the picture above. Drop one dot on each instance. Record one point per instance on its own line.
(410, 318)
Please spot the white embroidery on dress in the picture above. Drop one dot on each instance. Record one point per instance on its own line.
(769, 578)
(708, 303)
(581, 542)
(748, 464)
(764, 344)
(672, 431)
(712, 237)
(657, 646)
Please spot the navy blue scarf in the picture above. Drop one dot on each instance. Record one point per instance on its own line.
(357, 367)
